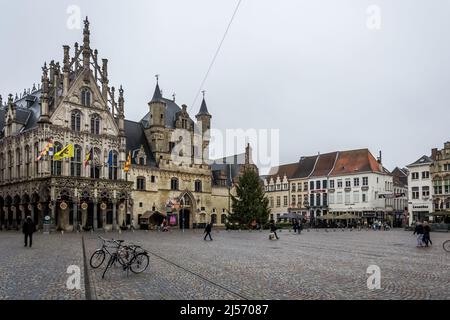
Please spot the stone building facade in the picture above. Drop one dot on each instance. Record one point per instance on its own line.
(440, 175)
(170, 174)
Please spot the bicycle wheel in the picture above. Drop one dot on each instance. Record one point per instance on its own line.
(139, 263)
(446, 245)
(97, 259)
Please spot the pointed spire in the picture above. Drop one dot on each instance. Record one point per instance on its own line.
(204, 108)
(157, 94)
(86, 44)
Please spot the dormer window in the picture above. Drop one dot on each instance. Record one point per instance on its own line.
(86, 97)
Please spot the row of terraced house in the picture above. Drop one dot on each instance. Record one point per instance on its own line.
(355, 182)
(341, 182)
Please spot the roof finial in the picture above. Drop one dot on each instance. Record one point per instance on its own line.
(86, 44)
(174, 95)
(157, 78)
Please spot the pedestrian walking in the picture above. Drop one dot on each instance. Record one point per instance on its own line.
(426, 234)
(300, 227)
(273, 229)
(28, 229)
(419, 232)
(208, 230)
(132, 224)
(295, 225)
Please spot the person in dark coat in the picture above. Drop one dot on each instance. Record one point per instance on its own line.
(294, 225)
(273, 228)
(28, 229)
(426, 234)
(208, 230)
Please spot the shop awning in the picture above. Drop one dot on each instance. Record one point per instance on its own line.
(440, 213)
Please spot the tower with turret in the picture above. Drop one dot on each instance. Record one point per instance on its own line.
(204, 123)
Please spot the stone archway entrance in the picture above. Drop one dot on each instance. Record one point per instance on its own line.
(187, 207)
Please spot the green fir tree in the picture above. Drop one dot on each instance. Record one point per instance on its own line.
(250, 202)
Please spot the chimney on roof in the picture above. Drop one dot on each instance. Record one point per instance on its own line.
(380, 158)
(434, 154)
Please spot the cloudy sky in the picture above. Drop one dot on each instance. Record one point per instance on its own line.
(321, 72)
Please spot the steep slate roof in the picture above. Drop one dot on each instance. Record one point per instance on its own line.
(136, 138)
(305, 167)
(355, 161)
(203, 109)
(423, 160)
(172, 109)
(286, 169)
(324, 164)
(27, 111)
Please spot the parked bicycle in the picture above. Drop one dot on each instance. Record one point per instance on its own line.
(131, 257)
(109, 246)
(446, 245)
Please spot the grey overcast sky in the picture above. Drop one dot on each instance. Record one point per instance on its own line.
(312, 69)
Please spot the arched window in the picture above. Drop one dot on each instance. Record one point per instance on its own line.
(27, 161)
(36, 164)
(174, 184)
(95, 163)
(18, 162)
(75, 165)
(214, 218)
(198, 186)
(75, 121)
(95, 124)
(86, 97)
(113, 160)
(2, 167)
(57, 165)
(10, 164)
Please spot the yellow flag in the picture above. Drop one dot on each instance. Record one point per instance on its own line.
(128, 163)
(67, 152)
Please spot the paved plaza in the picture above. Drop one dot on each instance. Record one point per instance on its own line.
(236, 265)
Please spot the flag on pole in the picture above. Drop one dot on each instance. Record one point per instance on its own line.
(128, 163)
(89, 157)
(47, 150)
(67, 152)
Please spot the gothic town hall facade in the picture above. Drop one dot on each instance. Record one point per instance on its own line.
(75, 105)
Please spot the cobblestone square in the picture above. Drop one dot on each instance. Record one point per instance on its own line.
(236, 265)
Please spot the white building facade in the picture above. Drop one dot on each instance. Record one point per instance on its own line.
(420, 189)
